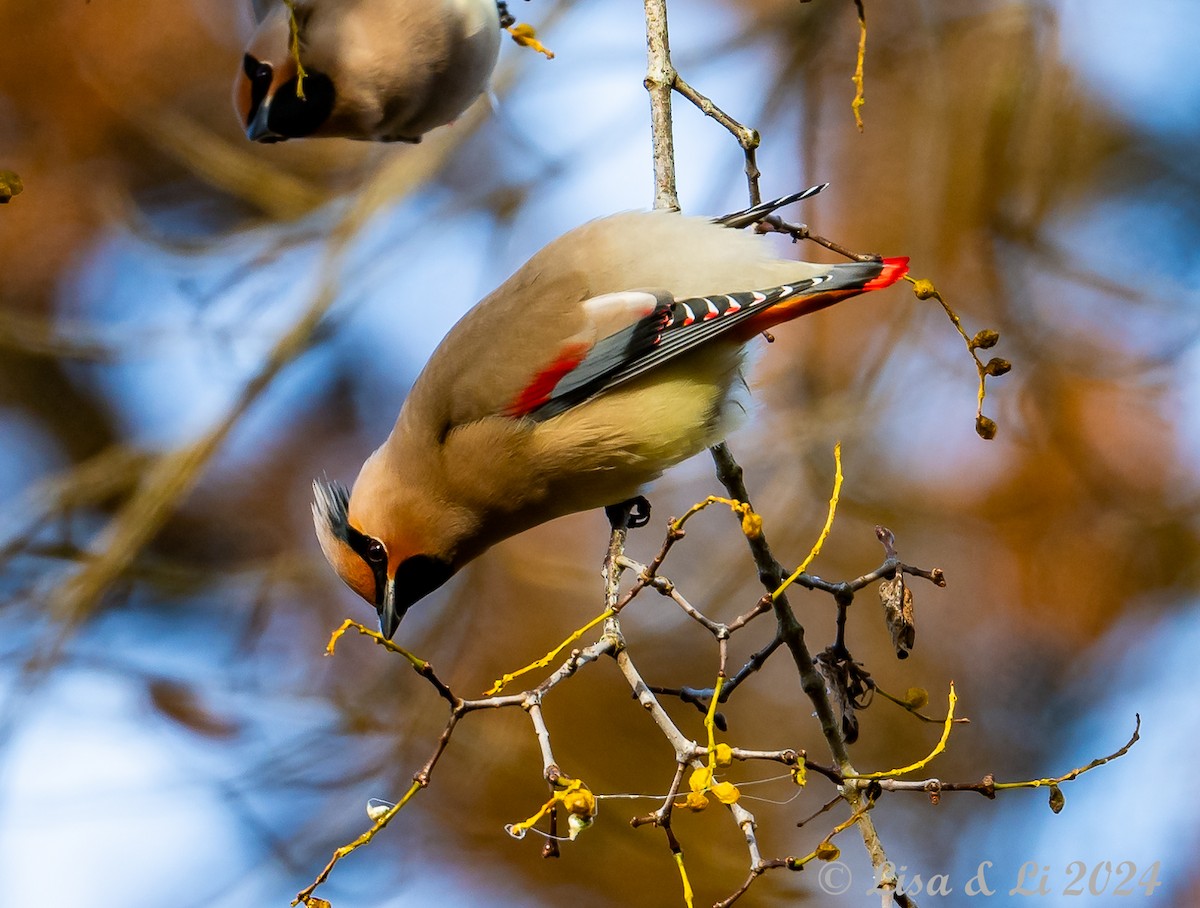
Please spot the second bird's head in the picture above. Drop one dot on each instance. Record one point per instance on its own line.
(373, 557)
(267, 91)
(374, 70)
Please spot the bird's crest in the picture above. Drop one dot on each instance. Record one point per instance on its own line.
(331, 509)
(340, 541)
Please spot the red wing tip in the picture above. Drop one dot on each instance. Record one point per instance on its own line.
(893, 269)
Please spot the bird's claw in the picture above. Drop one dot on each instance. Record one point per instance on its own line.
(629, 515)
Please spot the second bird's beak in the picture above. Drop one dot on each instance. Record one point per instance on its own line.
(389, 614)
(254, 95)
(257, 129)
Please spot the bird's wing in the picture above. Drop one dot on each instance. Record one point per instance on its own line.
(672, 327)
(512, 350)
(567, 324)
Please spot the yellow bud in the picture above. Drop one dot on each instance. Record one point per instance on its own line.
(700, 779)
(916, 697)
(751, 524)
(695, 802)
(726, 792)
(526, 35)
(581, 802)
(800, 775)
(723, 754)
(827, 851)
(924, 289)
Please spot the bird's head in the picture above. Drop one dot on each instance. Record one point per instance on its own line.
(267, 91)
(372, 557)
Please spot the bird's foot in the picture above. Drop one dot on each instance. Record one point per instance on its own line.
(630, 514)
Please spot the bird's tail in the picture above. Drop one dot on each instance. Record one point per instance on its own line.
(894, 269)
(756, 213)
(843, 281)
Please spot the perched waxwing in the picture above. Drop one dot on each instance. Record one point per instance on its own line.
(611, 355)
(383, 70)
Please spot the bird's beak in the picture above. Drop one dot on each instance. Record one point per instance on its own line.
(417, 577)
(389, 614)
(257, 129)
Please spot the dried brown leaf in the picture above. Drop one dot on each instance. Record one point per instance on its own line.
(897, 601)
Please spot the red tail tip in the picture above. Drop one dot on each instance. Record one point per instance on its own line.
(893, 270)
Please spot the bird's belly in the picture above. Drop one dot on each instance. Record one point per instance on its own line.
(600, 452)
(605, 450)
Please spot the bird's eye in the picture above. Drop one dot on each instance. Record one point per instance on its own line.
(376, 553)
(257, 71)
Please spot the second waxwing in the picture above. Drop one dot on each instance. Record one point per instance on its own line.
(611, 355)
(382, 70)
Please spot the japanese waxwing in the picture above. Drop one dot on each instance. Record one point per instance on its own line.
(383, 70)
(611, 355)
